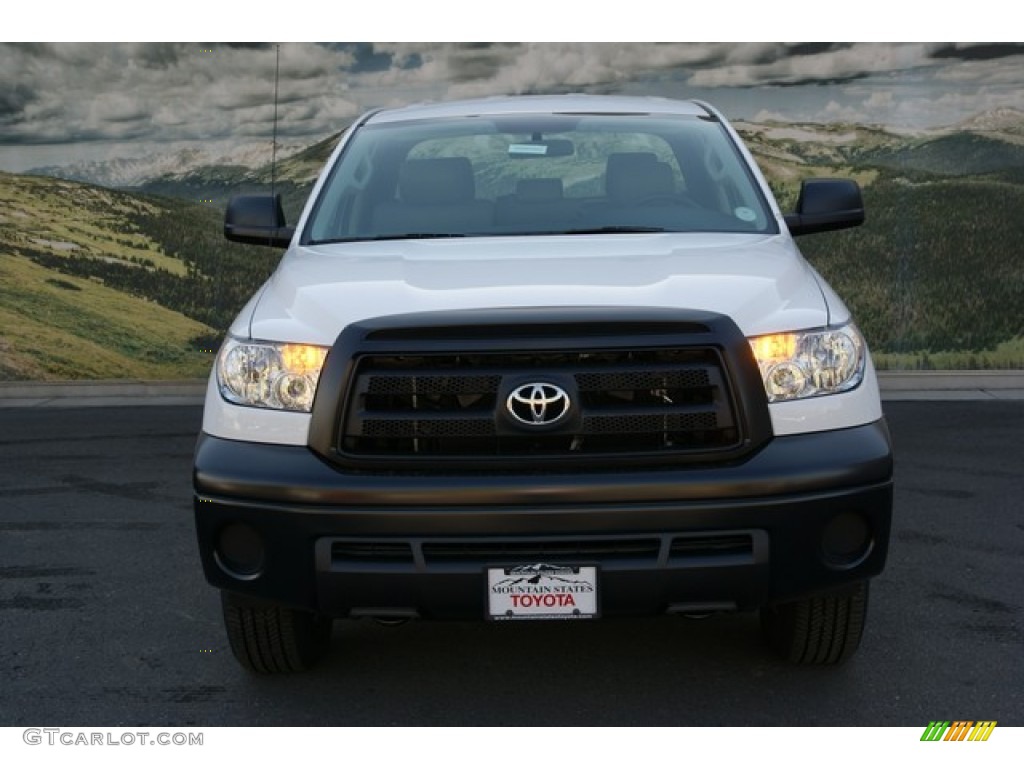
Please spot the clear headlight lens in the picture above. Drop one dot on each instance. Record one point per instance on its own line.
(269, 375)
(810, 363)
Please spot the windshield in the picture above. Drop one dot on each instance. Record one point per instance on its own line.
(542, 174)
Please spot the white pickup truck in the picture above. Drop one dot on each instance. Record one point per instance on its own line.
(542, 358)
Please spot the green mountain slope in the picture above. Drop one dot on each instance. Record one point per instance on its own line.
(96, 283)
(935, 269)
(934, 277)
(960, 154)
(100, 283)
(54, 328)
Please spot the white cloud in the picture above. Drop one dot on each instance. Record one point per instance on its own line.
(771, 116)
(835, 112)
(880, 100)
(172, 92)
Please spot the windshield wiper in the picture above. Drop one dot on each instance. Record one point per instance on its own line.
(417, 235)
(396, 236)
(614, 230)
(606, 230)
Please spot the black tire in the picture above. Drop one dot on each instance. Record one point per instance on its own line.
(269, 638)
(822, 629)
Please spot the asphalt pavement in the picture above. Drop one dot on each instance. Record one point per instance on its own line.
(105, 617)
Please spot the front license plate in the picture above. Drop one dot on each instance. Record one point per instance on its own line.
(542, 591)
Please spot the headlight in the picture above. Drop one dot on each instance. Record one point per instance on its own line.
(810, 363)
(269, 375)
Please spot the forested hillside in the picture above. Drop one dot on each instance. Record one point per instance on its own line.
(934, 278)
(98, 283)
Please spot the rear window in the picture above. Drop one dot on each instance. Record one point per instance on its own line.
(543, 174)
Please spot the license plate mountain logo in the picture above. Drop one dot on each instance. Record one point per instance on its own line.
(534, 574)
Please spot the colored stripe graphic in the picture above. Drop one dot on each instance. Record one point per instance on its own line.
(958, 730)
(935, 730)
(982, 730)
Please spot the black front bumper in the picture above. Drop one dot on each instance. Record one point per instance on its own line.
(805, 513)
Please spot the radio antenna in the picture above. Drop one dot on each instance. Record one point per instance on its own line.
(273, 142)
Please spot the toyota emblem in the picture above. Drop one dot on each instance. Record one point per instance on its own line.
(538, 405)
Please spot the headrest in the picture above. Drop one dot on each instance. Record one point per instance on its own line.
(436, 181)
(632, 176)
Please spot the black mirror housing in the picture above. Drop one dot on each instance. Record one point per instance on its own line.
(257, 220)
(826, 204)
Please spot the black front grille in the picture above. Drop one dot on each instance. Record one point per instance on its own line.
(695, 549)
(661, 402)
(563, 550)
(457, 391)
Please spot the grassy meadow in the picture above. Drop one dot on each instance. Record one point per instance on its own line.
(100, 283)
(96, 283)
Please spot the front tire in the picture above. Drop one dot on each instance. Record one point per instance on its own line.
(821, 630)
(269, 638)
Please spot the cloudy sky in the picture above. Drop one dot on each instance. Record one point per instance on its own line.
(66, 102)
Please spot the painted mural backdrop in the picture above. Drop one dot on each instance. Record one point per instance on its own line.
(116, 162)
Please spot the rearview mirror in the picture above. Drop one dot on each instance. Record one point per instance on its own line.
(542, 148)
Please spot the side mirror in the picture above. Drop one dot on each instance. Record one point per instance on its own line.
(826, 204)
(257, 220)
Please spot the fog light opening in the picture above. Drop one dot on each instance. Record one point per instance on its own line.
(846, 541)
(240, 552)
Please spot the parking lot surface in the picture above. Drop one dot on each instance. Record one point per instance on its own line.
(106, 618)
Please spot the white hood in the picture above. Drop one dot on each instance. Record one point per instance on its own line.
(761, 282)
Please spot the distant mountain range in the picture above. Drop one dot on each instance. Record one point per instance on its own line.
(986, 143)
(197, 168)
(134, 172)
(1005, 123)
(139, 281)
